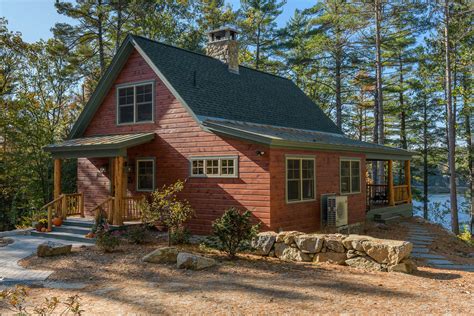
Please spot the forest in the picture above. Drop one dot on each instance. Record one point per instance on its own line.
(393, 72)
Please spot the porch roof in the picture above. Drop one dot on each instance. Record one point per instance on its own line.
(98, 146)
(276, 136)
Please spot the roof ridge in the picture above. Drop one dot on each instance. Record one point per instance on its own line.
(204, 55)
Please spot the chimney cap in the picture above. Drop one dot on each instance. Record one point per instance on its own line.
(224, 28)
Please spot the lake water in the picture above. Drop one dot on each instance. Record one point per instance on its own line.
(439, 209)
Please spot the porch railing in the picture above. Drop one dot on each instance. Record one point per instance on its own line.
(377, 194)
(106, 208)
(401, 194)
(132, 207)
(64, 205)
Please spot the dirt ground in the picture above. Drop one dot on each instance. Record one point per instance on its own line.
(120, 283)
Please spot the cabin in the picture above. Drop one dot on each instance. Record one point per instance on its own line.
(239, 137)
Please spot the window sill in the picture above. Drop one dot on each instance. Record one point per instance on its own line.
(137, 123)
(300, 201)
(351, 193)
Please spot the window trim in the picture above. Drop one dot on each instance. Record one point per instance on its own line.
(350, 159)
(135, 85)
(301, 158)
(139, 159)
(220, 175)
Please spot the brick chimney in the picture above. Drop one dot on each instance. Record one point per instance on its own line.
(223, 45)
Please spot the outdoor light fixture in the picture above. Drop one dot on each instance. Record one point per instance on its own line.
(102, 171)
(260, 153)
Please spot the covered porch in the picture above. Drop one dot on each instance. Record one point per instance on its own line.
(388, 187)
(119, 207)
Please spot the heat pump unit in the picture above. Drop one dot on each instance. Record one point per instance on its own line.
(337, 211)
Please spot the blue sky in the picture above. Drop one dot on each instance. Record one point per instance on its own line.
(35, 18)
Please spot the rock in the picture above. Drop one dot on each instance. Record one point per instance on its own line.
(288, 237)
(365, 263)
(162, 255)
(49, 249)
(310, 243)
(390, 252)
(293, 254)
(334, 243)
(330, 257)
(406, 266)
(352, 254)
(191, 261)
(263, 243)
(355, 242)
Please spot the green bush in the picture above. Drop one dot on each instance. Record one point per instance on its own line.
(234, 231)
(466, 236)
(138, 234)
(107, 240)
(167, 209)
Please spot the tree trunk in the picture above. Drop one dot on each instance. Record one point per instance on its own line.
(257, 49)
(338, 64)
(378, 70)
(451, 124)
(425, 158)
(467, 118)
(403, 131)
(100, 37)
(118, 31)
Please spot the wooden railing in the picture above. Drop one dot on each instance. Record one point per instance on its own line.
(401, 194)
(132, 207)
(106, 207)
(377, 194)
(64, 205)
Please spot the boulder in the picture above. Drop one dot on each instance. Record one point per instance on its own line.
(310, 243)
(334, 243)
(330, 257)
(49, 249)
(355, 242)
(288, 253)
(405, 266)
(365, 263)
(354, 253)
(263, 243)
(162, 255)
(186, 260)
(287, 237)
(390, 252)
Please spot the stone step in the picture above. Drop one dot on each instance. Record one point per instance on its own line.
(428, 256)
(79, 230)
(439, 262)
(64, 236)
(460, 267)
(78, 222)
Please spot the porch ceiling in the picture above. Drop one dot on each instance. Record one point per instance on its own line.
(98, 146)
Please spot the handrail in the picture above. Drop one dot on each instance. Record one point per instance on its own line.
(52, 202)
(106, 207)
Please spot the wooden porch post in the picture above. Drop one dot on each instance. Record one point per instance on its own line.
(118, 184)
(57, 178)
(391, 196)
(408, 179)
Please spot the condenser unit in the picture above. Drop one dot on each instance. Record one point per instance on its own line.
(337, 211)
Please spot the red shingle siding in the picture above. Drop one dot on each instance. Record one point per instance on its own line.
(178, 138)
(305, 216)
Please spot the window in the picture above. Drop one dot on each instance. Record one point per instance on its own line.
(300, 179)
(217, 167)
(350, 176)
(135, 103)
(145, 174)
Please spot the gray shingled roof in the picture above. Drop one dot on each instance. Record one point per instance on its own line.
(291, 137)
(210, 90)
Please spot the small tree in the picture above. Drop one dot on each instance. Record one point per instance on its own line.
(166, 208)
(234, 230)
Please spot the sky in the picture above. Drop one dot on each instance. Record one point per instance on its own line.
(35, 18)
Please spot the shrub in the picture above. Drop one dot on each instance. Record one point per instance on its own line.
(15, 300)
(106, 239)
(138, 234)
(234, 231)
(167, 209)
(466, 236)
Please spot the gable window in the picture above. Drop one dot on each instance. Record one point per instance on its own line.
(145, 174)
(300, 179)
(350, 176)
(214, 167)
(135, 103)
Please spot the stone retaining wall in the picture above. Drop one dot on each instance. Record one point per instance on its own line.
(353, 250)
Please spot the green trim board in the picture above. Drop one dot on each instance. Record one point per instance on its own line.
(98, 146)
(275, 136)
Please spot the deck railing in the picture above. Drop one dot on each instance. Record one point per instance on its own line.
(105, 209)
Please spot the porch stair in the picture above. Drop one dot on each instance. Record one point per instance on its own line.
(72, 229)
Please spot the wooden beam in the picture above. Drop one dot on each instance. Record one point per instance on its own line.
(57, 178)
(391, 193)
(408, 179)
(119, 191)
